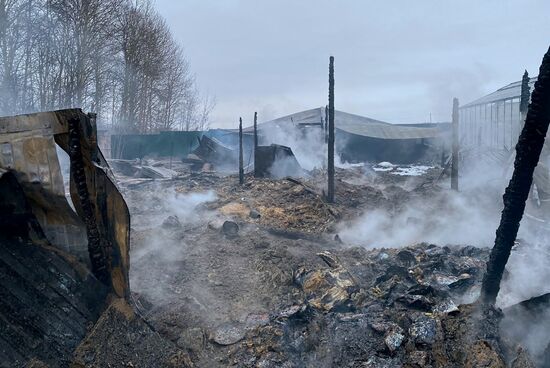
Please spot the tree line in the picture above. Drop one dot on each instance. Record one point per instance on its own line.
(116, 58)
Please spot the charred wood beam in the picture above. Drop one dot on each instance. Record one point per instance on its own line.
(330, 194)
(98, 256)
(454, 157)
(528, 151)
(241, 162)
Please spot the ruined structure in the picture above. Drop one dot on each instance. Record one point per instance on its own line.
(64, 264)
(362, 139)
(80, 256)
(495, 121)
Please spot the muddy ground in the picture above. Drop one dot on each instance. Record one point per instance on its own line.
(259, 276)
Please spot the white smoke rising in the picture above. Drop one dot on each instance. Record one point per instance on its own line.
(184, 206)
(448, 219)
(469, 217)
(285, 166)
(165, 247)
(307, 144)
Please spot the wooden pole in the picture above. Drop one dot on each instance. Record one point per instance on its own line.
(255, 130)
(255, 141)
(326, 123)
(330, 196)
(528, 150)
(454, 162)
(241, 162)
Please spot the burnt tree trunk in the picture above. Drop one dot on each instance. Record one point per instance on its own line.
(454, 158)
(255, 141)
(528, 151)
(330, 195)
(241, 161)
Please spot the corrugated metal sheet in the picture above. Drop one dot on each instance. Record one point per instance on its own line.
(512, 90)
(350, 123)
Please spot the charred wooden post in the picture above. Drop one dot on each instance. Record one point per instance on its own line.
(241, 162)
(326, 123)
(255, 143)
(255, 131)
(330, 194)
(454, 159)
(524, 97)
(528, 150)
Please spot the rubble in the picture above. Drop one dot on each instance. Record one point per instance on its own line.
(314, 300)
(120, 337)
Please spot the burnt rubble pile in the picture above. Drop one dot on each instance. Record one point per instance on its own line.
(384, 308)
(276, 287)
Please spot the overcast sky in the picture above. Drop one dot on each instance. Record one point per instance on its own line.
(396, 61)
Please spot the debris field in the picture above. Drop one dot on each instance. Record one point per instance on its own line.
(257, 276)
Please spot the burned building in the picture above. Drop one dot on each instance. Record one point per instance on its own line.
(493, 121)
(359, 138)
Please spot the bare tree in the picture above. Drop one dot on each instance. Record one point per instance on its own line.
(115, 57)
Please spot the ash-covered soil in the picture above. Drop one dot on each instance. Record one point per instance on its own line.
(259, 276)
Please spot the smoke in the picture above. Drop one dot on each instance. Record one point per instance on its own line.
(448, 218)
(285, 166)
(307, 144)
(468, 217)
(166, 217)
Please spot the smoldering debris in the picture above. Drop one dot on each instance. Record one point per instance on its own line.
(293, 287)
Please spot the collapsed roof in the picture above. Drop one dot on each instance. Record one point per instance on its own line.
(350, 123)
